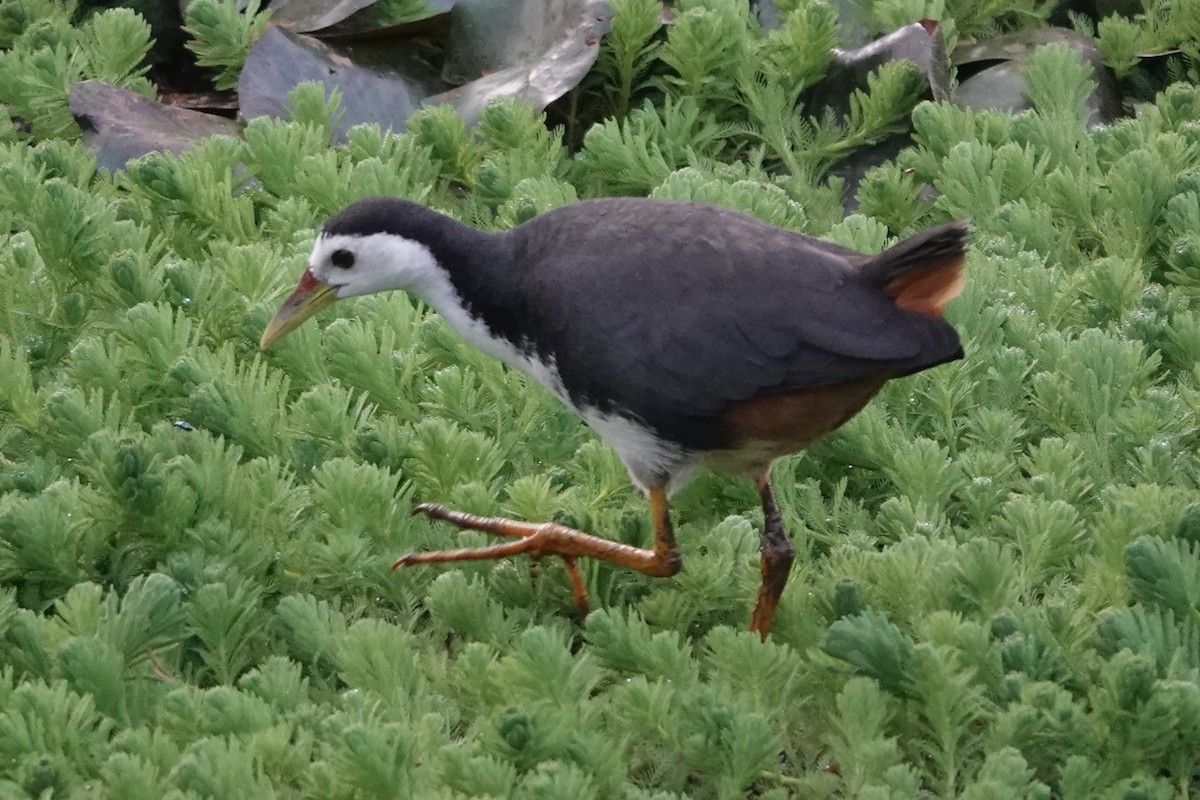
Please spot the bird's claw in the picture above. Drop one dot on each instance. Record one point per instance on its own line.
(529, 539)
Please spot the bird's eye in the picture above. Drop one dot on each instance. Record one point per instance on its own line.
(342, 259)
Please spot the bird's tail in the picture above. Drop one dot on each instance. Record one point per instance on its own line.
(924, 272)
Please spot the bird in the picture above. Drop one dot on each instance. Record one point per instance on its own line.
(686, 335)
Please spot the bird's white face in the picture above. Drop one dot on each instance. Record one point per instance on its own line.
(379, 262)
(348, 265)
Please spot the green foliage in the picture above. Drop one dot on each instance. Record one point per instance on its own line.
(1159, 28)
(768, 202)
(627, 53)
(997, 589)
(717, 90)
(43, 54)
(222, 33)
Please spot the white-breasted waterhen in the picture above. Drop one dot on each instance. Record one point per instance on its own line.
(686, 335)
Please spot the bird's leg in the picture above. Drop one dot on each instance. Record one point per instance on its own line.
(553, 539)
(777, 557)
(578, 590)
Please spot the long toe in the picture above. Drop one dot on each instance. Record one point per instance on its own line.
(434, 510)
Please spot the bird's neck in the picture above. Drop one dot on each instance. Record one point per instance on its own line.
(475, 275)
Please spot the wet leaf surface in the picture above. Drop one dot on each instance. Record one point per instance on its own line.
(488, 36)
(1021, 44)
(469, 52)
(378, 83)
(434, 27)
(304, 16)
(853, 169)
(537, 52)
(990, 72)
(120, 125)
(920, 43)
(477, 52)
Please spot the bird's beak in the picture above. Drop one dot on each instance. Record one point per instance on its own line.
(310, 296)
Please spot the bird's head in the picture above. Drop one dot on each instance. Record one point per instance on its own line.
(372, 245)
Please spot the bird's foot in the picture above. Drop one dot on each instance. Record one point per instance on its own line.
(461, 519)
(764, 613)
(530, 541)
(544, 539)
(553, 539)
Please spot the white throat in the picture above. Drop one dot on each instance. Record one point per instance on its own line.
(385, 261)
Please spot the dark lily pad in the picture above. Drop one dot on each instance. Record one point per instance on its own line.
(556, 43)
(1001, 87)
(1021, 44)
(382, 85)
(435, 27)
(854, 168)
(119, 125)
(533, 50)
(991, 73)
(920, 43)
(304, 16)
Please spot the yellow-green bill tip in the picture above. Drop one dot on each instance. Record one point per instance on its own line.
(310, 296)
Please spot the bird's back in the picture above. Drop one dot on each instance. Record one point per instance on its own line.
(674, 312)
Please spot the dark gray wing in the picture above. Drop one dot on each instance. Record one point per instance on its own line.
(675, 311)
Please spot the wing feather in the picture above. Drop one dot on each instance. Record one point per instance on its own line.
(676, 315)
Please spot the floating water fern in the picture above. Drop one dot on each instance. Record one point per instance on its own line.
(998, 559)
